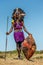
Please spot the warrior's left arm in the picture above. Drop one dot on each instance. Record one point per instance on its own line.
(25, 29)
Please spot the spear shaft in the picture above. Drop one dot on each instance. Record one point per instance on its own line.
(6, 38)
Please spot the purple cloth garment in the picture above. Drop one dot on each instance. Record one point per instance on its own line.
(18, 25)
(19, 36)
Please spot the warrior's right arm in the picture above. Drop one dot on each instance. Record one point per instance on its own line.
(11, 29)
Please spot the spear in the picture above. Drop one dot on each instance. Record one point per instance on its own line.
(6, 37)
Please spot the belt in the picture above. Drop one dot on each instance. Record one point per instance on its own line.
(18, 30)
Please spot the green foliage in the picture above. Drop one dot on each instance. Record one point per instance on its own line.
(40, 57)
(39, 52)
(15, 52)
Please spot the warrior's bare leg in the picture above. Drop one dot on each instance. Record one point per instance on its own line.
(19, 49)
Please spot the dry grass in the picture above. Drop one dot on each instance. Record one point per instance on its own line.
(11, 59)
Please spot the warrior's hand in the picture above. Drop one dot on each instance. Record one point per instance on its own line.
(30, 34)
(7, 33)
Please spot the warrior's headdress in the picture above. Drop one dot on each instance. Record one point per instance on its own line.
(16, 12)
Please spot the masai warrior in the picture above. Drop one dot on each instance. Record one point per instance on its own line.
(18, 26)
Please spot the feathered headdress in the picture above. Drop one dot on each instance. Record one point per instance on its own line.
(18, 11)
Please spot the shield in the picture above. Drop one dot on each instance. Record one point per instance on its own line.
(29, 47)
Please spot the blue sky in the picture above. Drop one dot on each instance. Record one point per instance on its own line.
(33, 21)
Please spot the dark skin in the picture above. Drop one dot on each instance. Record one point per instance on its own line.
(17, 16)
(12, 27)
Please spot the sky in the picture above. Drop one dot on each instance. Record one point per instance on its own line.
(33, 21)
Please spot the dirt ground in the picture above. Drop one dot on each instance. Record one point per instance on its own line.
(36, 59)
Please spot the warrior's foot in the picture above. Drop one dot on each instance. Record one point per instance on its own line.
(20, 58)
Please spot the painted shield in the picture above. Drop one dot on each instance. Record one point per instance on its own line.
(29, 47)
